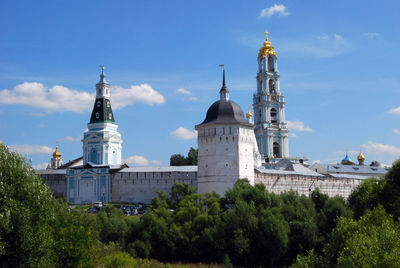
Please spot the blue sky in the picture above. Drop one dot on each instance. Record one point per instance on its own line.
(339, 63)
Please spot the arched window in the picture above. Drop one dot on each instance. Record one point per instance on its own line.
(271, 86)
(270, 64)
(261, 83)
(273, 115)
(259, 115)
(98, 103)
(277, 150)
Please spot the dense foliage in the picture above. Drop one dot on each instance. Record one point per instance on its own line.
(180, 160)
(248, 227)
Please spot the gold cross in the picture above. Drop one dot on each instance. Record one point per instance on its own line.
(102, 67)
(266, 32)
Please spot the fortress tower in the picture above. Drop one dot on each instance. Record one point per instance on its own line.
(226, 146)
(269, 107)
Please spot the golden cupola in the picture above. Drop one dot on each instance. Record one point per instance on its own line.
(361, 159)
(249, 114)
(56, 154)
(267, 48)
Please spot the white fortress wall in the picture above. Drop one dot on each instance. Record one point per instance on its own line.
(141, 184)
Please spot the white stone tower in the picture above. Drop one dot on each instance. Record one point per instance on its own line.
(102, 143)
(226, 148)
(269, 107)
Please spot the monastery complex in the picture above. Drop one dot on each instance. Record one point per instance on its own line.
(231, 145)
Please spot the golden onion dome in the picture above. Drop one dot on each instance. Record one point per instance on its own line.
(267, 48)
(56, 154)
(249, 114)
(361, 157)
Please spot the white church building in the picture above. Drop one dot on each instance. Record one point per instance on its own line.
(230, 147)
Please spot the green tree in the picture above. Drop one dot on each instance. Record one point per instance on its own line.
(177, 160)
(76, 239)
(27, 213)
(373, 241)
(192, 157)
(366, 196)
(112, 226)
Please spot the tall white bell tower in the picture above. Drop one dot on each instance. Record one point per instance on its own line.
(269, 107)
(102, 143)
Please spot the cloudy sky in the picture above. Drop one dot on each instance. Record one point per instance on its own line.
(339, 63)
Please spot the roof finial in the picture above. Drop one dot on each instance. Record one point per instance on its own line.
(267, 48)
(266, 35)
(102, 75)
(224, 93)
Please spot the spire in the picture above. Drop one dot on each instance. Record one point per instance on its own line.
(102, 76)
(224, 92)
(267, 49)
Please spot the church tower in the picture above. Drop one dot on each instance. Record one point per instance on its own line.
(56, 161)
(102, 143)
(226, 146)
(269, 107)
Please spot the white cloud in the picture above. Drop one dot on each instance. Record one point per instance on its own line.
(394, 110)
(372, 35)
(275, 9)
(156, 162)
(298, 126)
(40, 166)
(72, 139)
(324, 46)
(193, 98)
(323, 36)
(396, 131)
(60, 98)
(338, 37)
(121, 97)
(137, 160)
(56, 98)
(377, 148)
(31, 149)
(183, 91)
(182, 133)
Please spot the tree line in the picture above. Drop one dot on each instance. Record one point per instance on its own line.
(247, 227)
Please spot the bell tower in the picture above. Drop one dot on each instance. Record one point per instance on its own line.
(102, 143)
(269, 107)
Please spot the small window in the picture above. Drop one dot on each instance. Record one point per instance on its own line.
(98, 103)
(107, 91)
(109, 116)
(97, 115)
(108, 104)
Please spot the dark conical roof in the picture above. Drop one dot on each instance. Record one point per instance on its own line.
(225, 112)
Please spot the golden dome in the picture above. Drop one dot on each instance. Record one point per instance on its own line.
(249, 114)
(56, 154)
(267, 49)
(361, 157)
